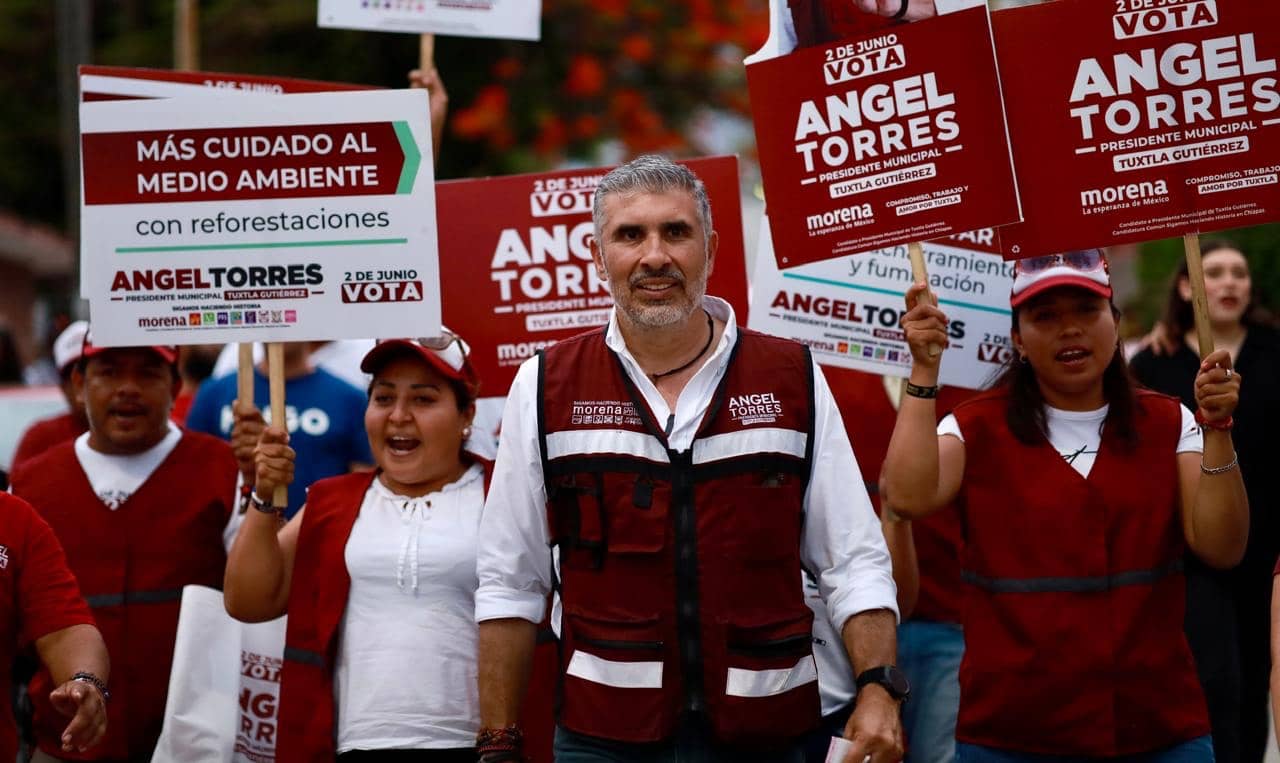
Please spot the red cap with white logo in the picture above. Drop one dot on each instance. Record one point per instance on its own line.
(1085, 269)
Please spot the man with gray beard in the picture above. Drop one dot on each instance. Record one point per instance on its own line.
(686, 470)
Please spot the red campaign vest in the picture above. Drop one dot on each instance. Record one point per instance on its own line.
(678, 570)
(821, 21)
(131, 564)
(869, 418)
(1073, 614)
(317, 599)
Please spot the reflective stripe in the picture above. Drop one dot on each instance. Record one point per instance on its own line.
(133, 597)
(749, 442)
(621, 675)
(592, 442)
(766, 683)
(306, 656)
(1094, 584)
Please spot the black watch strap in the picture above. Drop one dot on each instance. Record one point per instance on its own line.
(890, 677)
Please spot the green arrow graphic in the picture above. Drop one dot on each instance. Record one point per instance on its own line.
(412, 157)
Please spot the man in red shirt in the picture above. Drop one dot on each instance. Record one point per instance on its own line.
(140, 507)
(46, 433)
(40, 605)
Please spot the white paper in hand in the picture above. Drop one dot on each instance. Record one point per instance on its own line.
(840, 749)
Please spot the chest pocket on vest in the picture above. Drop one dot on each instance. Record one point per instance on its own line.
(592, 515)
(763, 520)
(637, 516)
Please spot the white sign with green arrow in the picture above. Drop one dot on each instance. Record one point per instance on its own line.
(224, 219)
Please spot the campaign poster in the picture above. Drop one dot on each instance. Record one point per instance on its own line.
(884, 139)
(111, 83)
(847, 310)
(505, 19)
(1134, 120)
(516, 260)
(296, 217)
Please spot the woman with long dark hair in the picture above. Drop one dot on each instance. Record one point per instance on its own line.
(1078, 495)
(1227, 611)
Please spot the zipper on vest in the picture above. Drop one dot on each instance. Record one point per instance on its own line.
(688, 609)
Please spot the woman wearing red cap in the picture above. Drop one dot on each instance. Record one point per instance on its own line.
(1078, 493)
(377, 572)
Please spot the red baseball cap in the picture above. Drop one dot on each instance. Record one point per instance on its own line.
(166, 351)
(448, 353)
(1086, 269)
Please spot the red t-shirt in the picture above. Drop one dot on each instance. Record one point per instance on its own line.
(38, 595)
(46, 433)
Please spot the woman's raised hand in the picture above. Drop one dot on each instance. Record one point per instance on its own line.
(925, 327)
(1217, 387)
(273, 462)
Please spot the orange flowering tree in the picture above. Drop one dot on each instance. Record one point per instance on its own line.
(634, 72)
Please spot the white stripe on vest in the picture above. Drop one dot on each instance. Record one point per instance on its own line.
(621, 675)
(596, 442)
(749, 442)
(766, 683)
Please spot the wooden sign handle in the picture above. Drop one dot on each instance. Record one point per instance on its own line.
(1199, 300)
(426, 52)
(275, 378)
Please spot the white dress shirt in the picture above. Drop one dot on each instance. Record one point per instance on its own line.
(840, 542)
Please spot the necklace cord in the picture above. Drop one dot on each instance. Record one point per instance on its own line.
(711, 333)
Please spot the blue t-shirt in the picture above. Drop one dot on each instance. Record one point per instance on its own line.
(325, 416)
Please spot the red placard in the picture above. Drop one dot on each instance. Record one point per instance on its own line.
(515, 260)
(883, 139)
(1134, 120)
(108, 83)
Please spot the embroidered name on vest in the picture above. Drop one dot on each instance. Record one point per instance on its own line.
(604, 412)
(759, 408)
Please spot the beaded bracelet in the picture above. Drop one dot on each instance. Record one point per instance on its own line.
(501, 744)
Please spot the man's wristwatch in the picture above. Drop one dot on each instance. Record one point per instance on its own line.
(893, 680)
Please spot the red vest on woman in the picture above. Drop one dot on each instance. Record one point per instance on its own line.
(678, 570)
(131, 564)
(822, 21)
(1074, 591)
(317, 599)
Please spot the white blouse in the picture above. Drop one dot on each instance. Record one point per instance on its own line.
(405, 675)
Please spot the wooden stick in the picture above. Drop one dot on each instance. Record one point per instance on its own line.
(186, 35)
(1199, 300)
(275, 377)
(426, 52)
(244, 374)
(920, 274)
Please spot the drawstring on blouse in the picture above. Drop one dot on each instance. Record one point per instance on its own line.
(411, 514)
